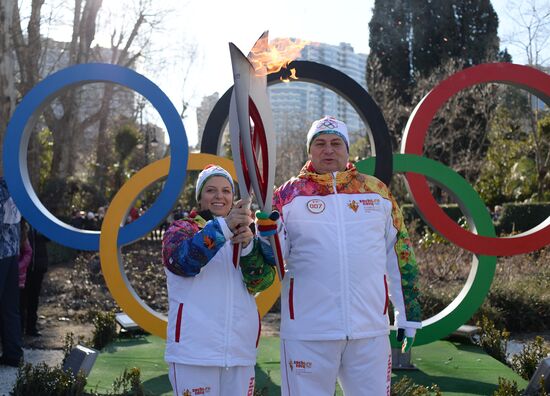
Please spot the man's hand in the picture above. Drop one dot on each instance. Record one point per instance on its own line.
(406, 337)
(267, 223)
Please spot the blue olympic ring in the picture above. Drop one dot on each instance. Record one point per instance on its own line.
(25, 118)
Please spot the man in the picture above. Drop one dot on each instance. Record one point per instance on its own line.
(10, 330)
(347, 252)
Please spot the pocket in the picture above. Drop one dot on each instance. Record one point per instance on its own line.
(291, 299)
(387, 295)
(178, 322)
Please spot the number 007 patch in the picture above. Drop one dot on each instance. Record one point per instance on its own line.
(315, 206)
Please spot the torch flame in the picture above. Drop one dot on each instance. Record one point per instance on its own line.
(291, 76)
(270, 58)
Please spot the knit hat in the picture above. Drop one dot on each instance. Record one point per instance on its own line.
(209, 171)
(327, 124)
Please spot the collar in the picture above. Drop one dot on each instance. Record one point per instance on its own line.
(344, 177)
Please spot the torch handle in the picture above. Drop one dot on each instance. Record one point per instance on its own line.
(278, 254)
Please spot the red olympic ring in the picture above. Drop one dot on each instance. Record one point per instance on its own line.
(534, 81)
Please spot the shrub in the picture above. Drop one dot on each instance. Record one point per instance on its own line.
(129, 383)
(526, 362)
(519, 217)
(406, 387)
(527, 299)
(47, 381)
(492, 340)
(433, 300)
(44, 380)
(69, 343)
(416, 223)
(506, 388)
(104, 329)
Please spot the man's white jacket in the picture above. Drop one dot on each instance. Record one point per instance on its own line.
(347, 254)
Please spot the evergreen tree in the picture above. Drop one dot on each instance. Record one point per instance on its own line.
(416, 36)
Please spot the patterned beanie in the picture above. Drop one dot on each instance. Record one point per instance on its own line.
(328, 124)
(209, 171)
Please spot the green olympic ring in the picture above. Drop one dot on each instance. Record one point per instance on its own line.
(470, 298)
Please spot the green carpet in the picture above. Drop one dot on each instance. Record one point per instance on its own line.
(456, 368)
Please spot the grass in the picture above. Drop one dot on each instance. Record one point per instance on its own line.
(458, 369)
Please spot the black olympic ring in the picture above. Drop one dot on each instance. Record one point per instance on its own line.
(334, 80)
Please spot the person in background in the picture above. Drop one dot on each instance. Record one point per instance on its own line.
(10, 331)
(33, 285)
(213, 323)
(25, 255)
(347, 253)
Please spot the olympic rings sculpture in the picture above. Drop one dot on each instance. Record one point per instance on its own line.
(484, 243)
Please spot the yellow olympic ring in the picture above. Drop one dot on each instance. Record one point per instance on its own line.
(112, 264)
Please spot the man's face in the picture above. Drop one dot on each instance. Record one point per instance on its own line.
(328, 153)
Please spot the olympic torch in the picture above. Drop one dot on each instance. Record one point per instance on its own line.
(252, 138)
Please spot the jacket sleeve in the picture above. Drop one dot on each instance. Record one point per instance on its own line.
(402, 271)
(257, 267)
(186, 248)
(281, 229)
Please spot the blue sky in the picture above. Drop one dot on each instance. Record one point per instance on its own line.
(210, 25)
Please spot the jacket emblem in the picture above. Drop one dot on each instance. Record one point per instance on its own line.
(201, 390)
(370, 204)
(208, 242)
(301, 366)
(315, 206)
(353, 205)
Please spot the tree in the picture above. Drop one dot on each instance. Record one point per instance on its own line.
(77, 111)
(531, 35)
(495, 184)
(413, 37)
(415, 44)
(7, 81)
(126, 139)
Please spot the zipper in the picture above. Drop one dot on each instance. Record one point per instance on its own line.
(229, 310)
(343, 267)
(291, 299)
(178, 322)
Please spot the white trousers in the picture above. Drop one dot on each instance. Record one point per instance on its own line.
(190, 380)
(362, 367)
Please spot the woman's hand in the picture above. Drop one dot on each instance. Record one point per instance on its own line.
(243, 234)
(239, 216)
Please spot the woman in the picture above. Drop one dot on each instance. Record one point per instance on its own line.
(213, 323)
(25, 255)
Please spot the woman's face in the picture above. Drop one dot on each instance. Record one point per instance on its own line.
(216, 196)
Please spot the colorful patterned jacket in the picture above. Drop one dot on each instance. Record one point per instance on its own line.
(347, 253)
(10, 219)
(212, 317)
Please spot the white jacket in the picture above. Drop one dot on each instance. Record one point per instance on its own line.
(212, 318)
(347, 252)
